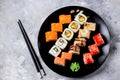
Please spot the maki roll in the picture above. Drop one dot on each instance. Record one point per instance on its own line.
(81, 18)
(56, 27)
(55, 51)
(74, 49)
(59, 61)
(90, 26)
(64, 19)
(98, 39)
(51, 36)
(93, 49)
(67, 34)
(74, 26)
(87, 58)
(66, 55)
(84, 33)
(80, 42)
(61, 42)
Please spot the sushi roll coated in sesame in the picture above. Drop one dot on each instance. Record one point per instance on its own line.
(55, 51)
(67, 34)
(74, 26)
(61, 42)
(81, 18)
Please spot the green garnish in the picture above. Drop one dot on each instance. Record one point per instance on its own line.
(75, 67)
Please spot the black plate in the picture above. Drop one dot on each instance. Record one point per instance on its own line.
(85, 69)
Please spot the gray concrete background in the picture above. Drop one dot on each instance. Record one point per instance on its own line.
(15, 60)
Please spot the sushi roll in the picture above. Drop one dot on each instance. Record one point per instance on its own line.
(51, 36)
(84, 33)
(87, 58)
(98, 39)
(74, 26)
(64, 19)
(56, 27)
(93, 49)
(90, 26)
(81, 18)
(59, 61)
(55, 51)
(66, 55)
(81, 42)
(61, 42)
(74, 49)
(67, 34)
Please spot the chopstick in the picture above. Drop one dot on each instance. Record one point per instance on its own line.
(35, 58)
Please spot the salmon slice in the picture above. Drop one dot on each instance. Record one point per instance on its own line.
(56, 27)
(64, 19)
(66, 55)
(59, 61)
(51, 36)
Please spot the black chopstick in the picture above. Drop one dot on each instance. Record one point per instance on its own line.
(31, 49)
